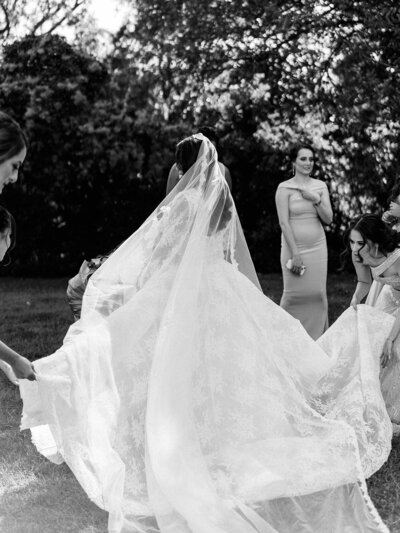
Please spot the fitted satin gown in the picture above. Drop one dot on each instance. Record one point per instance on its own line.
(304, 297)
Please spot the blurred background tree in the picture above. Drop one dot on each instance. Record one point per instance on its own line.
(266, 74)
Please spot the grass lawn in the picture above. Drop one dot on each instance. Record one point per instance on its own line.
(39, 497)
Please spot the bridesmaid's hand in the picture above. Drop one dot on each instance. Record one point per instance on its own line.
(311, 196)
(23, 369)
(387, 352)
(297, 263)
(394, 209)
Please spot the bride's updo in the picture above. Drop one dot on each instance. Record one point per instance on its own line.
(186, 153)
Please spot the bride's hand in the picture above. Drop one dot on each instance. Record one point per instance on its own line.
(387, 352)
(23, 369)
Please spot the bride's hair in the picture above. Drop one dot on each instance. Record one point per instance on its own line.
(12, 138)
(186, 153)
(372, 228)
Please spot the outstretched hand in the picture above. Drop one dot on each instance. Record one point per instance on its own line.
(23, 369)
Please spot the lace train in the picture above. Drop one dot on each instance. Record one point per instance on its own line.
(185, 401)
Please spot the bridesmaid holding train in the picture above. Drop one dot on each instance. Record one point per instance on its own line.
(303, 205)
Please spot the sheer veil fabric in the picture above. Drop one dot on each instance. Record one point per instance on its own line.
(184, 400)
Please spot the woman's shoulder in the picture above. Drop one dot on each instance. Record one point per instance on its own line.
(318, 184)
(287, 184)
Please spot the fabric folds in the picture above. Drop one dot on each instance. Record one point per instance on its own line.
(184, 400)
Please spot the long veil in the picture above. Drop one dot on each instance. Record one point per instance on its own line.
(184, 400)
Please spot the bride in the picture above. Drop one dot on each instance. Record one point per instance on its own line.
(184, 400)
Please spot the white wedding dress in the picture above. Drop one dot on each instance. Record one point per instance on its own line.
(184, 400)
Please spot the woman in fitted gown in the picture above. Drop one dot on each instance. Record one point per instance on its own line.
(302, 203)
(375, 249)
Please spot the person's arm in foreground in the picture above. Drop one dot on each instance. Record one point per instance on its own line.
(21, 366)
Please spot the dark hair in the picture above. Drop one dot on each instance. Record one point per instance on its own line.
(186, 153)
(371, 227)
(12, 138)
(294, 151)
(210, 133)
(7, 222)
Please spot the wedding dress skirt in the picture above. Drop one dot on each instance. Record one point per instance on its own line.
(185, 401)
(236, 418)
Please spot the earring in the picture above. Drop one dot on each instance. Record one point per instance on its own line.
(293, 170)
(376, 250)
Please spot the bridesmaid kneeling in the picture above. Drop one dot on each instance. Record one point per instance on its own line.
(375, 252)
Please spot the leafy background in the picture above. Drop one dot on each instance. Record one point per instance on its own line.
(103, 121)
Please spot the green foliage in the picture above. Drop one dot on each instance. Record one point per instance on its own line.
(90, 178)
(265, 73)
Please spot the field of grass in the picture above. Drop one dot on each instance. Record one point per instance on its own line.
(39, 497)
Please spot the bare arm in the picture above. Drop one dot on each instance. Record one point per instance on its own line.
(321, 202)
(21, 366)
(282, 207)
(364, 281)
(324, 208)
(173, 178)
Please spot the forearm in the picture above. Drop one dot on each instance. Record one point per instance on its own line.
(362, 290)
(289, 238)
(8, 355)
(324, 212)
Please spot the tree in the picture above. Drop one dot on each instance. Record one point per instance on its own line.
(42, 17)
(81, 174)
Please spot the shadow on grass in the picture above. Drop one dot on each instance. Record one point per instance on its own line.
(37, 496)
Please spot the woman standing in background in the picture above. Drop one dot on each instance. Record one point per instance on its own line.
(303, 203)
